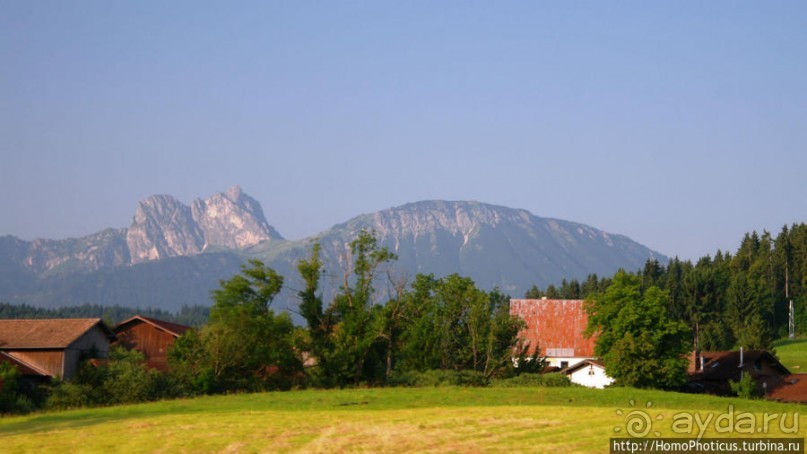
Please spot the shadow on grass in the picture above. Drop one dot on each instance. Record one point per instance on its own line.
(799, 343)
(53, 421)
(86, 417)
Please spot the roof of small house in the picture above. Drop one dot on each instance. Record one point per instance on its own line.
(585, 363)
(22, 367)
(175, 329)
(794, 389)
(47, 333)
(725, 365)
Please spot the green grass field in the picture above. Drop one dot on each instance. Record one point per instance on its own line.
(385, 420)
(793, 354)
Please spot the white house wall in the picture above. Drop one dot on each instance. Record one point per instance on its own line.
(583, 377)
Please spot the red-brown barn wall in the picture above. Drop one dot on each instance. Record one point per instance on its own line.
(152, 342)
(554, 324)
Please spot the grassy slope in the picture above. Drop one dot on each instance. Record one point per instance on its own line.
(793, 354)
(388, 420)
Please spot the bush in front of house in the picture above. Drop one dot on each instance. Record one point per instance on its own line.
(122, 379)
(16, 396)
(552, 379)
(745, 387)
(69, 395)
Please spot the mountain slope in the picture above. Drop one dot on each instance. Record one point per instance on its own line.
(494, 245)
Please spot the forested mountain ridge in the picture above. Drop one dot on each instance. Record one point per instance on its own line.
(174, 254)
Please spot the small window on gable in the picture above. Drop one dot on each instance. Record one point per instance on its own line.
(591, 370)
(757, 364)
(564, 364)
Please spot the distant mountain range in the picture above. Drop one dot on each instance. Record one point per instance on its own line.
(174, 254)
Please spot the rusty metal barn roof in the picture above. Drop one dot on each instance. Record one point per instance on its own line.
(555, 325)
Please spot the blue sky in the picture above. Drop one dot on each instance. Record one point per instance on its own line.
(682, 125)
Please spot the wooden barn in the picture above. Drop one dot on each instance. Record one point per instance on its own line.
(556, 327)
(151, 337)
(54, 347)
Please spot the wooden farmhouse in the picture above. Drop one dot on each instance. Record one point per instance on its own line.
(713, 371)
(556, 327)
(151, 337)
(53, 347)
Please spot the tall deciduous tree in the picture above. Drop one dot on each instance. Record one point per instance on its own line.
(245, 345)
(640, 345)
(358, 323)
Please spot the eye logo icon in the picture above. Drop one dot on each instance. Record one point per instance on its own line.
(638, 423)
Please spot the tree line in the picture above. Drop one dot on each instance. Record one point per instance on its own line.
(431, 324)
(726, 300)
(112, 315)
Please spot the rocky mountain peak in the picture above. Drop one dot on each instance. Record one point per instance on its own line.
(163, 227)
(233, 220)
(234, 193)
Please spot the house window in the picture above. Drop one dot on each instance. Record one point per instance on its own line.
(591, 370)
(564, 364)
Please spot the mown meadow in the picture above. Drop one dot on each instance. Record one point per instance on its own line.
(436, 419)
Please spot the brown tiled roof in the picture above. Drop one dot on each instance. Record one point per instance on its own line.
(794, 389)
(174, 329)
(46, 333)
(23, 367)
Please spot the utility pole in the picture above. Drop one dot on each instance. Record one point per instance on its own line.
(791, 322)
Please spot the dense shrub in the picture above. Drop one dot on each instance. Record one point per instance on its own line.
(122, 379)
(745, 387)
(9, 384)
(67, 395)
(440, 378)
(16, 396)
